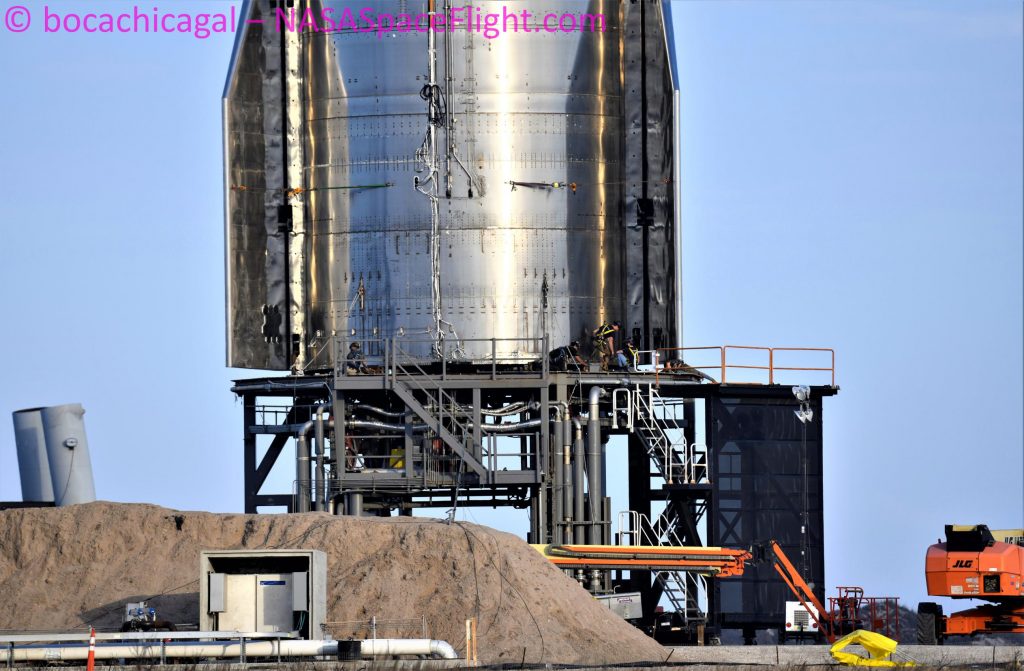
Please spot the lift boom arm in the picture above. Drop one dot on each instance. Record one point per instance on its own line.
(720, 562)
(800, 588)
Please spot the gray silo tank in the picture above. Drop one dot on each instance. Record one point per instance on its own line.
(33, 465)
(68, 454)
(500, 204)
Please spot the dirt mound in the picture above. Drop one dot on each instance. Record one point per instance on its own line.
(68, 567)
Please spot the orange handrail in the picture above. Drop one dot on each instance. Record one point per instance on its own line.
(724, 366)
(748, 367)
(720, 366)
(831, 369)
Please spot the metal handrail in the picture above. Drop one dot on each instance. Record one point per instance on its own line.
(724, 366)
(449, 351)
(831, 369)
(645, 412)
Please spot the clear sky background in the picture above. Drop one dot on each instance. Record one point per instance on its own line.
(852, 178)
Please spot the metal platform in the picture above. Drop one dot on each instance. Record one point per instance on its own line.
(414, 432)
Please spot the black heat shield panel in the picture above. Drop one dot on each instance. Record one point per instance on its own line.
(758, 495)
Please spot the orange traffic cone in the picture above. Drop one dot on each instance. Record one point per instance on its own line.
(91, 664)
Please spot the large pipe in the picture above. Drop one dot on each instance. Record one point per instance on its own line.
(567, 495)
(677, 215)
(33, 466)
(511, 428)
(420, 428)
(354, 504)
(302, 467)
(321, 448)
(380, 412)
(381, 647)
(579, 459)
(382, 426)
(67, 452)
(595, 466)
(558, 468)
(511, 409)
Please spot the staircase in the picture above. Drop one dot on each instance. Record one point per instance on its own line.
(660, 424)
(438, 409)
(638, 530)
(675, 460)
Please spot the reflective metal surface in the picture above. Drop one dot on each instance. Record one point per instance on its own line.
(504, 205)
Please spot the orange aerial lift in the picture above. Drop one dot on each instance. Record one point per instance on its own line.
(772, 552)
(972, 564)
(847, 612)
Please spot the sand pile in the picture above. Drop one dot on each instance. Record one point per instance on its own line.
(68, 567)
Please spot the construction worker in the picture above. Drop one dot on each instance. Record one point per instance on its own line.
(566, 357)
(604, 341)
(632, 354)
(355, 364)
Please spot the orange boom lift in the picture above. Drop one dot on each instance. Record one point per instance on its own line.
(972, 564)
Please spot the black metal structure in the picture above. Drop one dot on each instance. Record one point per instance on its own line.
(411, 433)
(767, 470)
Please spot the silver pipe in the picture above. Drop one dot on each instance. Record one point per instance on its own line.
(303, 459)
(579, 459)
(557, 496)
(354, 504)
(562, 439)
(567, 495)
(511, 428)
(382, 426)
(381, 647)
(302, 467)
(595, 466)
(380, 412)
(320, 449)
(420, 428)
(677, 215)
(511, 409)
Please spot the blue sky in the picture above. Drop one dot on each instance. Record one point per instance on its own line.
(852, 178)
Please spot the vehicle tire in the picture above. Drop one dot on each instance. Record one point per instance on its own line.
(929, 623)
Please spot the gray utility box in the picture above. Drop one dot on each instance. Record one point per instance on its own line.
(263, 591)
(627, 606)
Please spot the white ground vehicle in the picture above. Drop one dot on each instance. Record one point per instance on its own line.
(799, 624)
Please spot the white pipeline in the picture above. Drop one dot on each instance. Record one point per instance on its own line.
(381, 647)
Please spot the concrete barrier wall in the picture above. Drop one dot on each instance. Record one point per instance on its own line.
(814, 655)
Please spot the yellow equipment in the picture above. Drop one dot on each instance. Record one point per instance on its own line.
(880, 648)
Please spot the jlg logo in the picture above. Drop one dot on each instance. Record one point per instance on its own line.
(963, 563)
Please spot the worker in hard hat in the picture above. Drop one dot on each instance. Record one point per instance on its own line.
(604, 341)
(355, 363)
(566, 357)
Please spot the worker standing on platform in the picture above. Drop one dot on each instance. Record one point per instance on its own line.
(604, 341)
